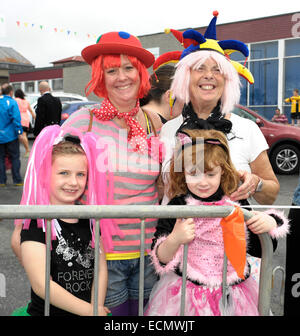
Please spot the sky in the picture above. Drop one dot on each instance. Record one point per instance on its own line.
(46, 31)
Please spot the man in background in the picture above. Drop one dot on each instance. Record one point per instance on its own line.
(48, 110)
(11, 132)
(279, 117)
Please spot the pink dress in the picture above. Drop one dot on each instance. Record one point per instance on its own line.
(204, 273)
(23, 107)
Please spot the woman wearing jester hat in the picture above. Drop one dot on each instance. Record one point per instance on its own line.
(119, 74)
(206, 81)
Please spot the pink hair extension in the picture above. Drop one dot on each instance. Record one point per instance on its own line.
(180, 84)
(37, 178)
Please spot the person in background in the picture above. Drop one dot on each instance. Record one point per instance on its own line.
(159, 98)
(24, 107)
(279, 118)
(119, 75)
(48, 109)
(295, 107)
(11, 132)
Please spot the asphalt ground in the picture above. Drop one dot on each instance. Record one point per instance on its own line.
(15, 287)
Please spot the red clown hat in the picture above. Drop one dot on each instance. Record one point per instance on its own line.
(118, 43)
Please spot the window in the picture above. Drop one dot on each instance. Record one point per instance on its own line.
(57, 84)
(264, 50)
(291, 67)
(16, 86)
(292, 47)
(264, 91)
(292, 75)
(29, 87)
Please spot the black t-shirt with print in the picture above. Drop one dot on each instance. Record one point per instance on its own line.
(72, 262)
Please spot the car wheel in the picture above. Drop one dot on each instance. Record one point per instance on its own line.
(285, 159)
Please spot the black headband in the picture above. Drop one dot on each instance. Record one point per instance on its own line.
(72, 138)
(209, 141)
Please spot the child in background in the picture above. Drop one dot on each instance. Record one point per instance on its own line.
(207, 177)
(295, 107)
(62, 163)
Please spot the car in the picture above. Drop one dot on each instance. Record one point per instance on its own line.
(72, 106)
(63, 96)
(283, 141)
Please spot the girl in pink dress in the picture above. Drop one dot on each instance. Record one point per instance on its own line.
(206, 178)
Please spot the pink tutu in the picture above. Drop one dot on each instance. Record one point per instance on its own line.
(201, 300)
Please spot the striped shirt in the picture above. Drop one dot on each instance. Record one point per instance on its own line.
(135, 178)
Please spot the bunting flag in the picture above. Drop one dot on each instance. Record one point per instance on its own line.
(57, 30)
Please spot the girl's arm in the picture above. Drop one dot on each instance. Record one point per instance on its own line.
(182, 233)
(15, 242)
(102, 284)
(34, 261)
(271, 221)
(31, 111)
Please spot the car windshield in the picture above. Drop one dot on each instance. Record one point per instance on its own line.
(244, 114)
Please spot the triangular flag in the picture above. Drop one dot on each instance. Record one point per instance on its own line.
(235, 240)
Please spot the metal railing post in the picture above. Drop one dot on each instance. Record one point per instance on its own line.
(96, 266)
(184, 274)
(265, 278)
(224, 283)
(142, 269)
(47, 269)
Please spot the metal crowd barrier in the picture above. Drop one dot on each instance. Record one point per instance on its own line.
(142, 212)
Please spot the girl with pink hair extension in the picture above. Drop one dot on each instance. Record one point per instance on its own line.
(36, 190)
(63, 162)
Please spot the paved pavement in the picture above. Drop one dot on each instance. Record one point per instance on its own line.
(14, 285)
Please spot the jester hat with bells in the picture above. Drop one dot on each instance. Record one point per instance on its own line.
(192, 41)
(36, 190)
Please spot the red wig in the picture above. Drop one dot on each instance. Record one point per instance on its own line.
(102, 62)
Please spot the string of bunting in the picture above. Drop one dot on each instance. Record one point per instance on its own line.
(44, 28)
